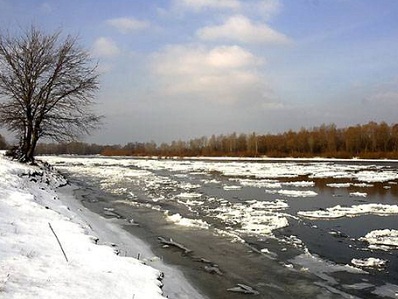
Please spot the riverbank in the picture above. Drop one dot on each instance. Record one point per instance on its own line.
(53, 247)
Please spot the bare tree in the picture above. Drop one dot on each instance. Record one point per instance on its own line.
(47, 86)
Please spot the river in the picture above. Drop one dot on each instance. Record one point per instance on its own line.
(284, 228)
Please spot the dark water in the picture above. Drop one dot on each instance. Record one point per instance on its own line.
(304, 258)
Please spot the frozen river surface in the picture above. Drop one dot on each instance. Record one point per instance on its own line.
(327, 228)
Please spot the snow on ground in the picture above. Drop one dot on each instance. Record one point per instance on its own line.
(353, 211)
(47, 250)
(384, 239)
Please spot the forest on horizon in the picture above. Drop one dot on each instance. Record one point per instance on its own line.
(372, 141)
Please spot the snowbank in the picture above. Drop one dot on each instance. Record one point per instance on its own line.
(32, 263)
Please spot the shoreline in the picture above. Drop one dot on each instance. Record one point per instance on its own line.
(111, 232)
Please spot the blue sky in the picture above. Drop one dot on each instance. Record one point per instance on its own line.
(180, 69)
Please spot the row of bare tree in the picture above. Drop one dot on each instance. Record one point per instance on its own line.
(372, 140)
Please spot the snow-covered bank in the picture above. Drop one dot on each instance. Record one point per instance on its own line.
(39, 223)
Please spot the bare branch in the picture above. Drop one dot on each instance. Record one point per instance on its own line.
(49, 84)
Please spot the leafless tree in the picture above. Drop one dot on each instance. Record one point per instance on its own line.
(47, 86)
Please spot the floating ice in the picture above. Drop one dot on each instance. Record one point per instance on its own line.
(353, 211)
(339, 185)
(322, 268)
(188, 195)
(376, 176)
(385, 239)
(271, 184)
(229, 188)
(294, 193)
(179, 220)
(253, 217)
(300, 184)
(369, 262)
(358, 194)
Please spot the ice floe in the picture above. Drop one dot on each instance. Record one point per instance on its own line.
(385, 239)
(323, 268)
(353, 211)
(339, 185)
(369, 262)
(299, 184)
(358, 194)
(252, 217)
(293, 193)
(189, 195)
(179, 220)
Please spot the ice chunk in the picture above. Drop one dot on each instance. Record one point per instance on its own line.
(369, 262)
(384, 239)
(353, 211)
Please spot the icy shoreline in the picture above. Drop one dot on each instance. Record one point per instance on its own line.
(34, 213)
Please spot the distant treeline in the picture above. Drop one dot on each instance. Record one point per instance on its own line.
(372, 140)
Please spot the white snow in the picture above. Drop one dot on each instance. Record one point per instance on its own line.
(353, 211)
(384, 239)
(32, 264)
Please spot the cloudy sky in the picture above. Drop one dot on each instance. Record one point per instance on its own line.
(180, 69)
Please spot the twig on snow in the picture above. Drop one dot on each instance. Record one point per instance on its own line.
(59, 242)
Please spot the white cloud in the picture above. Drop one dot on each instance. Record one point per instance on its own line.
(226, 74)
(105, 47)
(241, 29)
(198, 5)
(127, 25)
